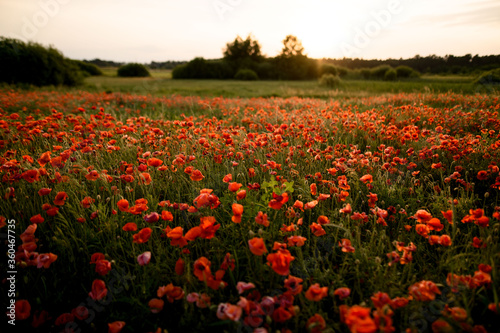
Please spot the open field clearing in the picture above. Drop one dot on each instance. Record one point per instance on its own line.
(361, 210)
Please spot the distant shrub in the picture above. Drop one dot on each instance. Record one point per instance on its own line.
(265, 70)
(133, 70)
(199, 68)
(406, 72)
(246, 75)
(343, 71)
(489, 78)
(328, 69)
(330, 81)
(366, 73)
(390, 75)
(379, 71)
(87, 68)
(32, 63)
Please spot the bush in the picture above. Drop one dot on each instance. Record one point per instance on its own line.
(366, 73)
(199, 68)
(246, 75)
(328, 69)
(390, 75)
(379, 71)
(489, 78)
(133, 70)
(330, 81)
(32, 63)
(87, 68)
(406, 72)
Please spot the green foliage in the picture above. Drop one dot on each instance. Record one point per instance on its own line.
(406, 72)
(133, 70)
(328, 69)
(489, 78)
(390, 75)
(88, 69)
(32, 63)
(379, 71)
(330, 81)
(246, 74)
(200, 68)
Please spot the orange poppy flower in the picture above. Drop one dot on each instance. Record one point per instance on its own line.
(176, 237)
(116, 326)
(316, 293)
(142, 236)
(257, 246)
(60, 198)
(156, 305)
(435, 224)
(145, 178)
(293, 285)
(313, 188)
(367, 178)
(86, 202)
(241, 195)
(92, 175)
(342, 292)
(310, 204)
(193, 233)
(316, 324)
(37, 219)
(448, 215)
(123, 205)
(23, 309)
(317, 229)
(202, 268)
(44, 159)
(358, 319)
(482, 175)
(424, 291)
(208, 227)
(323, 220)
(227, 178)
(233, 186)
(179, 266)
(99, 290)
(196, 176)
(346, 245)
(45, 260)
(237, 212)
(280, 315)
(131, 226)
(422, 216)
(278, 201)
(31, 176)
(154, 162)
(261, 218)
(280, 261)
(445, 240)
(44, 191)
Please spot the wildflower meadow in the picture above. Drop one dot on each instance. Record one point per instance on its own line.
(131, 213)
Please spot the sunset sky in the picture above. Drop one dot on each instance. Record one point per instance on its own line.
(161, 30)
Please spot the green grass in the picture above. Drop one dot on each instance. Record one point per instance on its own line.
(160, 83)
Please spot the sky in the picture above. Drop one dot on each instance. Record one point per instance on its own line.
(162, 30)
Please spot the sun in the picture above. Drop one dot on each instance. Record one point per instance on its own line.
(323, 28)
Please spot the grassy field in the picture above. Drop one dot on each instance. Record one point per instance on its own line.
(160, 83)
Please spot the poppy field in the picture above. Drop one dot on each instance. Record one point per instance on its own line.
(135, 213)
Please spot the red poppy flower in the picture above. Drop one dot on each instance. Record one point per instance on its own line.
(156, 305)
(196, 176)
(131, 226)
(60, 198)
(202, 268)
(116, 326)
(261, 218)
(278, 200)
(237, 212)
(317, 229)
(44, 191)
(37, 219)
(154, 162)
(99, 290)
(280, 261)
(257, 246)
(316, 293)
(23, 309)
(142, 236)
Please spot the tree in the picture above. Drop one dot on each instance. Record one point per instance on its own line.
(243, 53)
(292, 46)
(292, 64)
